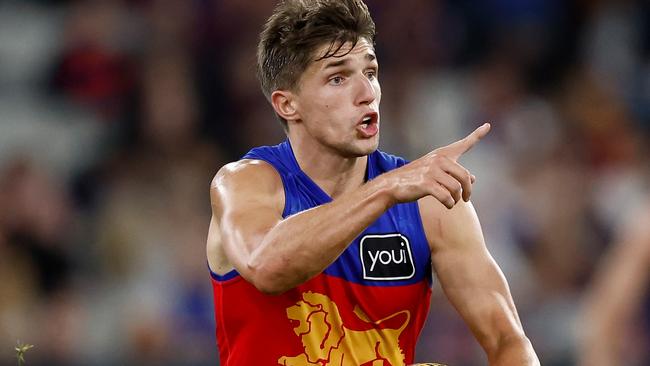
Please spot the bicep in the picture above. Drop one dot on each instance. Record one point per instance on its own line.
(469, 276)
(247, 203)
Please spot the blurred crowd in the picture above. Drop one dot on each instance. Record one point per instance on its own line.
(115, 114)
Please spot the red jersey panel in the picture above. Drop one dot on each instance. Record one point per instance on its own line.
(366, 308)
(326, 321)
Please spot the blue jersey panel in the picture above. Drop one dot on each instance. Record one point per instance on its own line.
(390, 252)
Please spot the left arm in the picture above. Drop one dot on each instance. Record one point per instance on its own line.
(473, 282)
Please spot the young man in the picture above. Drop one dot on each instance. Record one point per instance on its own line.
(322, 248)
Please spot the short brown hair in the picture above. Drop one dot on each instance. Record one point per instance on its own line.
(297, 28)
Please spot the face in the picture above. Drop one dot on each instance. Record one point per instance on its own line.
(337, 102)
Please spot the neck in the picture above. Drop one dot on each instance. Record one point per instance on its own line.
(333, 173)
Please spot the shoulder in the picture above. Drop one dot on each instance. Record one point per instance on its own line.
(244, 169)
(247, 176)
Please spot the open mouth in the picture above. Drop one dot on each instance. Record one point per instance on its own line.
(368, 119)
(369, 125)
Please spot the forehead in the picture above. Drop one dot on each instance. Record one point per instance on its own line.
(363, 50)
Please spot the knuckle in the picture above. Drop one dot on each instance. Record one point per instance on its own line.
(455, 193)
(451, 202)
(464, 177)
(448, 196)
(443, 195)
(439, 158)
(457, 186)
(438, 191)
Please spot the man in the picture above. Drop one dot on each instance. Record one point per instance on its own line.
(322, 248)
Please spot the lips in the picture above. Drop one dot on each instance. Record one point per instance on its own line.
(368, 125)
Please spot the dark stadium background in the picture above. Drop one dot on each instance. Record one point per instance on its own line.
(115, 114)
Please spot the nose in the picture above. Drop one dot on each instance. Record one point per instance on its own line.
(366, 92)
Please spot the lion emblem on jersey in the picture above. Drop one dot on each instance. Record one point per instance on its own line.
(327, 342)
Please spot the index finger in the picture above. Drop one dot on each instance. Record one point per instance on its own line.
(458, 148)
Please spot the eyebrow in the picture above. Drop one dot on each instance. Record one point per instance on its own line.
(369, 57)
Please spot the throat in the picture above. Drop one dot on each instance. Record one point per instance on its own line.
(342, 181)
(332, 172)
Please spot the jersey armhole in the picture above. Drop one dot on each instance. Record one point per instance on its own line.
(418, 215)
(224, 277)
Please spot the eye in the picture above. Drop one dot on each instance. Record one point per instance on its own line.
(371, 74)
(336, 80)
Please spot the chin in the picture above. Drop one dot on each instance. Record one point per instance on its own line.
(363, 147)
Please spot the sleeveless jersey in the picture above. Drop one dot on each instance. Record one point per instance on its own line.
(366, 308)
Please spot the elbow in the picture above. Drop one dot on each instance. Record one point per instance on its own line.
(506, 343)
(515, 349)
(275, 274)
(269, 288)
(266, 280)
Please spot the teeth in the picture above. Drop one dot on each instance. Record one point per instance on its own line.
(367, 119)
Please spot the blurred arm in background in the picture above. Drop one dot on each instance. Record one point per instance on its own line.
(617, 295)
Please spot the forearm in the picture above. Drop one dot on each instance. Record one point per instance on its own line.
(477, 288)
(303, 245)
(499, 330)
(493, 319)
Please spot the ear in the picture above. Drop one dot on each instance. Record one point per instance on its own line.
(285, 105)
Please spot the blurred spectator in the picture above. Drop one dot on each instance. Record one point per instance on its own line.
(151, 224)
(94, 68)
(36, 247)
(614, 329)
(37, 220)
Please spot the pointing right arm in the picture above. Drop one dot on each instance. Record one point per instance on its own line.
(276, 254)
